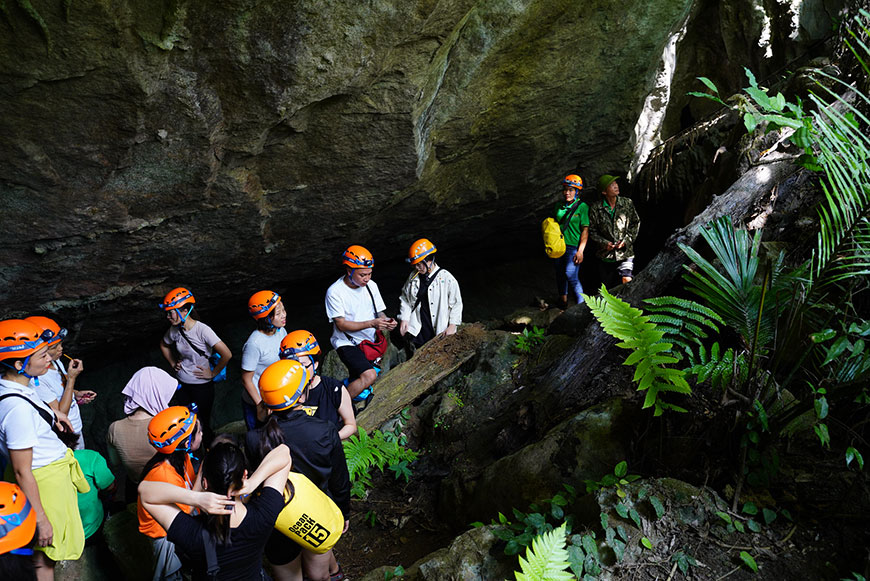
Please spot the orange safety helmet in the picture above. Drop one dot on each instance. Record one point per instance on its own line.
(177, 297)
(19, 339)
(172, 429)
(298, 343)
(262, 303)
(282, 384)
(46, 324)
(420, 250)
(573, 181)
(17, 519)
(357, 257)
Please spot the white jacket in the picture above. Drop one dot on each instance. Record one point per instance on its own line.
(445, 301)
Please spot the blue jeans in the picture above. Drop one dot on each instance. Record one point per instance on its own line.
(567, 272)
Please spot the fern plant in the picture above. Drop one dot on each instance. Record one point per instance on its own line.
(685, 323)
(650, 354)
(364, 452)
(546, 559)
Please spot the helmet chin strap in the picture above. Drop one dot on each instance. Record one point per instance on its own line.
(183, 319)
(23, 371)
(350, 282)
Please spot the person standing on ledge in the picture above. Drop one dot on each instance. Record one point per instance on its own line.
(430, 303)
(614, 225)
(573, 218)
(356, 310)
(187, 346)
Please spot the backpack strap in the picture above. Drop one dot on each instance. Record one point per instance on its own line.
(428, 284)
(374, 308)
(210, 549)
(48, 417)
(189, 342)
(566, 218)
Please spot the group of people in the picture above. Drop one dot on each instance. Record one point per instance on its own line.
(174, 466)
(610, 224)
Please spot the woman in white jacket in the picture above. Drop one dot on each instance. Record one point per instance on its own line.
(430, 303)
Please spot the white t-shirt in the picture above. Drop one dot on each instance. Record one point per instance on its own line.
(22, 427)
(51, 387)
(353, 304)
(260, 351)
(200, 335)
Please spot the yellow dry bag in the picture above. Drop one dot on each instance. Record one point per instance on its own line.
(554, 241)
(309, 517)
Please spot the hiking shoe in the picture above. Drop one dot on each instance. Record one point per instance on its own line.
(362, 401)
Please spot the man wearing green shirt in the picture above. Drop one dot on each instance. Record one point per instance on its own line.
(100, 478)
(573, 218)
(614, 225)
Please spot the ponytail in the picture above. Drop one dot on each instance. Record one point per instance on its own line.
(223, 470)
(271, 436)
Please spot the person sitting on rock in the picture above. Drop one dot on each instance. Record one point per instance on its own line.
(573, 219)
(614, 225)
(430, 303)
(57, 386)
(327, 396)
(356, 310)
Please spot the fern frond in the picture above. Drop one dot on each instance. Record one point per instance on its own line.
(546, 559)
(650, 353)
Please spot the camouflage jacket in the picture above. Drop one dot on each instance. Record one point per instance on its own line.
(622, 224)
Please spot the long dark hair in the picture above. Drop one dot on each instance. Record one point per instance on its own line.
(272, 436)
(176, 460)
(223, 469)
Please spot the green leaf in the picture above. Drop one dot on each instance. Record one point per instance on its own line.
(823, 336)
(709, 84)
(635, 517)
(821, 431)
(476, 524)
(853, 454)
(769, 516)
(821, 406)
(724, 516)
(604, 521)
(576, 556)
(621, 510)
(513, 547)
(739, 526)
(590, 546)
(646, 543)
(749, 561)
(621, 469)
(750, 508)
(753, 526)
(657, 506)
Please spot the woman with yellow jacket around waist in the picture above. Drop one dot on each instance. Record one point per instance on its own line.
(30, 437)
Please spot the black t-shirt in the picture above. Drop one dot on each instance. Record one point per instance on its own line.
(316, 451)
(326, 397)
(242, 558)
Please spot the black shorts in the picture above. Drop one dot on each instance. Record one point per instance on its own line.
(355, 361)
(280, 549)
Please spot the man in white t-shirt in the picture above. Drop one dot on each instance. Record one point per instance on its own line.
(356, 310)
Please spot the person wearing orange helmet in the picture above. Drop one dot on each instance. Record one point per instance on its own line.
(30, 438)
(17, 533)
(356, 310)
(572, 214)
(326, 395)
(261, 348)
(187, 346)
(317, 452)
(57, 386)
(175, 434)
(430, 303)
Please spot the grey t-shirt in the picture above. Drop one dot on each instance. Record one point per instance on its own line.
(260, 351)
(200, 335)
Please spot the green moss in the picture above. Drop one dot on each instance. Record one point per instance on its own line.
(34, 15)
